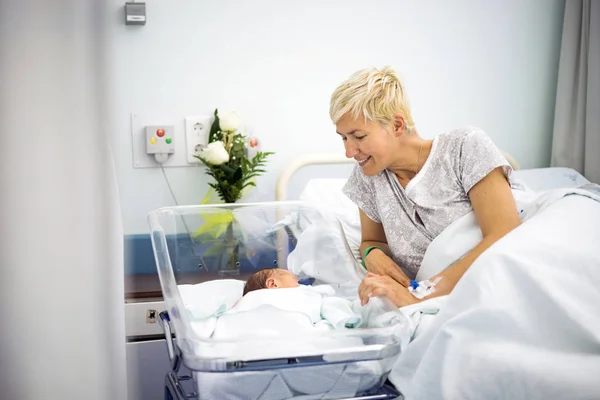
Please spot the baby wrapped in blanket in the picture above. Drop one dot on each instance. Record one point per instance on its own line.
(319, 303)
(274, 303)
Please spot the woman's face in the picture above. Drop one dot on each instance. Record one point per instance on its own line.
(369, 143)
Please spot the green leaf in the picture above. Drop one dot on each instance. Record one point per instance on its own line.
(237, 175)
(215, 127)
(227, 169)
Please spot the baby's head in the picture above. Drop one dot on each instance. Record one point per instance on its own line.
(270, 278)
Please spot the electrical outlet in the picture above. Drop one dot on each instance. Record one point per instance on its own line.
(151, 316)
(197, 130)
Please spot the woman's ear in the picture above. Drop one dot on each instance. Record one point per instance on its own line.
(399, 124)
(270, 283)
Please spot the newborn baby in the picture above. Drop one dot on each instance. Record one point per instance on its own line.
(291, 308)
(318, 302)
(271, 278)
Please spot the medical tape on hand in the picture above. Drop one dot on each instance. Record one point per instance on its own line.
(423, 288)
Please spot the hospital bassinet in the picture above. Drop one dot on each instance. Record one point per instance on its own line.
(226, 243)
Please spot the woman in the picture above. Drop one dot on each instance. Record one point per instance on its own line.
(409, 189)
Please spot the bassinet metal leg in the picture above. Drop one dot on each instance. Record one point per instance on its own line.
(386, 393)
(171, 350)
(174, 390)
(173, 387)
(169, 389)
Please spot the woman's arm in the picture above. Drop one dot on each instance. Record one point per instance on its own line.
(496, 213)
(379, 261)
(372, 234)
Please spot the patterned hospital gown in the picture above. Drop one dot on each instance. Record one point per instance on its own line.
(413, 216)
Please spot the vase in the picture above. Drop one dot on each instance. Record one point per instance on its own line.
(229, 264)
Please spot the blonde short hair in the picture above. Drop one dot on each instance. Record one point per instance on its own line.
(373, 94)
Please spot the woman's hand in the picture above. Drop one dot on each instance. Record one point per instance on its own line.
(375, 285)
(379, 263)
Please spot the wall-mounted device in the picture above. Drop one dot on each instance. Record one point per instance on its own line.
(164, 140)
(135, 13)
(159, 141)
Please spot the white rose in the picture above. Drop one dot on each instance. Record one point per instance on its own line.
(215, 153)
(229, 121)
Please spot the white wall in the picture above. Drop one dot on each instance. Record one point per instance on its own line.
(492, 64)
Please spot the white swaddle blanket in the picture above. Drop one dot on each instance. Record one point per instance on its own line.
(317, 303)
(290, 310)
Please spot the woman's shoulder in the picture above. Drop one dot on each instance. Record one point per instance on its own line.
(464, 141)
(458, 136)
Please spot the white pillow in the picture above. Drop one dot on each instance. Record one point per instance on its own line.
(321, 253)
(328, 250)
(327, 195)
(541, 179)
(211, 298)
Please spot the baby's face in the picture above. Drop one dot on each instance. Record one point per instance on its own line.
(282, 278)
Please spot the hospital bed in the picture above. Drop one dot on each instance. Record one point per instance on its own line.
(213, 364)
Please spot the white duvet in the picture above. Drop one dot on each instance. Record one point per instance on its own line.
(524, 321)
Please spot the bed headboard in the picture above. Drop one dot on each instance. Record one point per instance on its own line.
(281, 188)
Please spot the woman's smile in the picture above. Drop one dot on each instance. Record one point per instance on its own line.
(362, 162)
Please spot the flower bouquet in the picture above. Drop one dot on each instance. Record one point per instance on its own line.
(233, 160)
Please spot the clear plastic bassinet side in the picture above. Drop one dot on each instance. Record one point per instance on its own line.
(204, 255)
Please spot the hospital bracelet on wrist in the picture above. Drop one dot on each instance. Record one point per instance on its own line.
(366, 253)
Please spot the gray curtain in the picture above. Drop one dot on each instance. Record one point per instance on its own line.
(61, 255)
(576, 136)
